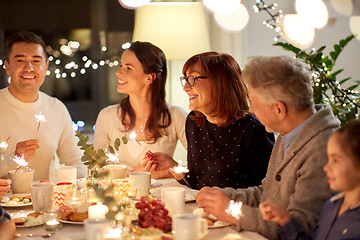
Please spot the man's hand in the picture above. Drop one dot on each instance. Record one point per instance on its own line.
(4, 186)
(274, 213)
(27, 148)
(214, 202)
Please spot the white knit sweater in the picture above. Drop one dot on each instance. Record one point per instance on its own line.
(56, 135)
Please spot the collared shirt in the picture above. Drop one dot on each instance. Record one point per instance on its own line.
(289, 138)
(330, 226)
(4, 216)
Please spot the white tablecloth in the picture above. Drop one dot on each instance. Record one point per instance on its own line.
(76, 232)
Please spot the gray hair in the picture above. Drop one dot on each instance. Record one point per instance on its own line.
(280, 78)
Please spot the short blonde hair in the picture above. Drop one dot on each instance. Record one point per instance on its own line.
(280, 78)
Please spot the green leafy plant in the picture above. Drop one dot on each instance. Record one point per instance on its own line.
(93, 158)
(345, 102)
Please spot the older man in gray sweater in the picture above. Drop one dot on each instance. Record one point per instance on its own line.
(282, 99)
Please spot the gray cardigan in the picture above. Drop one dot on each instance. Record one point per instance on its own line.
(295, 181)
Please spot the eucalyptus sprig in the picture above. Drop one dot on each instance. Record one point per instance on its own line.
(96, 158)
(345, 102)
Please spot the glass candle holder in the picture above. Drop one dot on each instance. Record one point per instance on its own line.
(50, 221)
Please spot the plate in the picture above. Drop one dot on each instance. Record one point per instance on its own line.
(155, 183)
(71, 222)
(190, 194)
(219, 224)
(19, 204)
(30, 221)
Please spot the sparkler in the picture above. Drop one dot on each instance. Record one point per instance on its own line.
(181, 169)
(40, 118)
(20, 161)
(114, 158)
(133, 134)
(234, 209)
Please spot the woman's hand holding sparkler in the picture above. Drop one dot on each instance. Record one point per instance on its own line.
(157, 161)
(27, 148)
(215, 202)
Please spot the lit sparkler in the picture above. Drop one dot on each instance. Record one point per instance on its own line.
(3, 146)
(181, 170)
(40, 118)
(20, 161)
(114, 158)
(133, 134)
(234, 209)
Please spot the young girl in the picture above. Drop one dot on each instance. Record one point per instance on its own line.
(340, 217)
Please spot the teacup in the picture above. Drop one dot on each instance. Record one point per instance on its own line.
(41, 195)
(141, 182)
(21, 180)
(114, 172)
(189, 226)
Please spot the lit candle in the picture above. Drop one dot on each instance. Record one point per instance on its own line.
(98, 211)
(52, 225)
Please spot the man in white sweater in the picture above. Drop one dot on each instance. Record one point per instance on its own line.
(26, 64)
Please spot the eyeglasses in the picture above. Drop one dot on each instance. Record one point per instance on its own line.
(190, 80)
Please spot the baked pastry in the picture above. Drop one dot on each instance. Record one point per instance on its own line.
(78, 217)
(19, 221)
(34, 214)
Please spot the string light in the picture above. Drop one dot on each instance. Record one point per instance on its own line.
(273, 22)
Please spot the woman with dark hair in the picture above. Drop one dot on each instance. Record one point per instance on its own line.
(227, 145)
(157, 125)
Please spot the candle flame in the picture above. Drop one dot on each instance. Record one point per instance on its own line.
(234, 209)
(20, 161)
(180, 169)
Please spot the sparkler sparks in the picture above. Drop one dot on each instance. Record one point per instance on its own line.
(40, 118)
(114, 158)
(20, 161)
(180, 169)
(133, 134)
(3, 145)
(234, 209)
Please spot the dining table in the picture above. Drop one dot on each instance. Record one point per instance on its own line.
(77, 231)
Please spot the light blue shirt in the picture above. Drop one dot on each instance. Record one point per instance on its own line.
(289, 138)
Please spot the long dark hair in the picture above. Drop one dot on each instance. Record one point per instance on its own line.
(153, 61)
(228, 91)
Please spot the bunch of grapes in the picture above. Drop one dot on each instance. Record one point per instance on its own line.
(153, 214)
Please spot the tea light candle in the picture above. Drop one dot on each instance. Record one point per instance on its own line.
(98, 211)
(52, 225)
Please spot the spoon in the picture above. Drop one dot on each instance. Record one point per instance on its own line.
(45, 235)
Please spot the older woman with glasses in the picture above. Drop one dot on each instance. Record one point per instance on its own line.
(227, 145)
(143, 112)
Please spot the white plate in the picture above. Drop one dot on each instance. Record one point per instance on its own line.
(71, 222)
(219, 224)
(27, 224)
(190, 194)
(155, 183)
(19, 204)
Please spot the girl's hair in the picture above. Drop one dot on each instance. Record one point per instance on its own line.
(153, 61)
(228, 91)
(348, 137)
